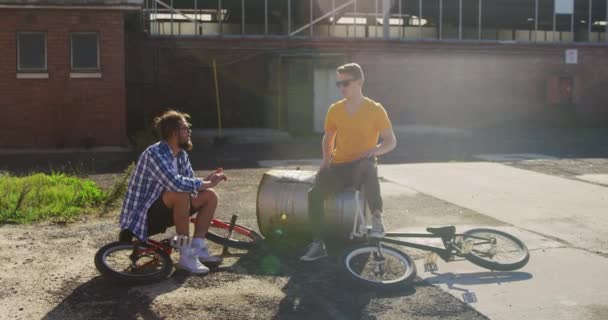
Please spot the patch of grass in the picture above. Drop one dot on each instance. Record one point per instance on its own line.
(56, 197)
(119, 189)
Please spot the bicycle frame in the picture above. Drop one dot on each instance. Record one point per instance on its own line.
(164, 245)
(446, 253)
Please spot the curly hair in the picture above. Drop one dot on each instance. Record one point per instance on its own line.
(168, 122)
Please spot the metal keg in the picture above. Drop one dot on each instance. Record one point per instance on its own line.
(282, 206)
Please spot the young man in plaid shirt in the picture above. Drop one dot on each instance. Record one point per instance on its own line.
(163, 192)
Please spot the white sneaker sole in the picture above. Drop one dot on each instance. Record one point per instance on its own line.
(307, 259)
(197, 272)
(377, 234)
(214, 261)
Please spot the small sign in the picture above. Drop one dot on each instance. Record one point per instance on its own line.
(572, 56)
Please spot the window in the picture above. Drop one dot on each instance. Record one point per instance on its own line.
(85, 51)
(31, 51)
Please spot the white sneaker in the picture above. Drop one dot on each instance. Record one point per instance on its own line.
(200, 249)
(377, 227)
(188, 261)
(316, 251)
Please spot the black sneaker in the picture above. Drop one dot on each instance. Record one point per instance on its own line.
(316, 251)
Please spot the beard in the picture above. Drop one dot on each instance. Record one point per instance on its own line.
(186, 145)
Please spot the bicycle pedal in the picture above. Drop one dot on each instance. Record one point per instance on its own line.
(467, 247)
(431, 258)
(430, 267)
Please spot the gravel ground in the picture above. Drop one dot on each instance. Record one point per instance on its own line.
(47, 271)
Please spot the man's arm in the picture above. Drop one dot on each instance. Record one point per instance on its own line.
(329, 139)
(389, 142)
(169, 177)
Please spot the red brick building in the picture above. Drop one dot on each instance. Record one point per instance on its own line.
(62, 72)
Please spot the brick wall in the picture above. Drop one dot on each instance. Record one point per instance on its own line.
(60, 111)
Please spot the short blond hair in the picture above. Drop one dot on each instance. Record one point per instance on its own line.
(352, 69)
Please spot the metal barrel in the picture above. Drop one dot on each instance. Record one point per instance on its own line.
(282, 206)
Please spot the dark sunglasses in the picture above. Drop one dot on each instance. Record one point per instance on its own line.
(344, 83)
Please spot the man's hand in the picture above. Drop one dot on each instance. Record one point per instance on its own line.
(324, 165)
(215, 178)
(369, 153)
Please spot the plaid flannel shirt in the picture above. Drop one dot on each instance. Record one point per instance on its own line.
(154, 174)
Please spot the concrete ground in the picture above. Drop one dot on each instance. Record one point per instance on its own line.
(562, 221)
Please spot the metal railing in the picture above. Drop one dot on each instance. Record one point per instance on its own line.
(346, 19)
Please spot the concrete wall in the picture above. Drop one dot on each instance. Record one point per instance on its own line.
(450, 84)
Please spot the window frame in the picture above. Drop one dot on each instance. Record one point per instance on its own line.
(84, 70)
(45, 69)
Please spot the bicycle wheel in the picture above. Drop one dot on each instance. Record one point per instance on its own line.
(241, 238)
(114, 261)
(495, 250)
(387, 268)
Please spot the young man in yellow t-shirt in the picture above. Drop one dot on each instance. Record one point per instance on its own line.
(350, 147)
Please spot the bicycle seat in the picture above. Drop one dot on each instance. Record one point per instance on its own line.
(444, 232)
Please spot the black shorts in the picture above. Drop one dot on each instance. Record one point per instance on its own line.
(160, 217)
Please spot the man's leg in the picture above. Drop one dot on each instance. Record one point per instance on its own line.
(204, 204)
(327, 183)
(366, 173)
(179, 203)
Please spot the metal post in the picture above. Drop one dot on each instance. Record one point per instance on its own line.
(554, 20)
(355, 19)
(460, 20)
(536, 20)
(311, 29)
(376, 18)
(441, 19)
(196, 17)
(333, 18)
(171, 17)
(420, 19)
(266, 17)
(402, 26)
(220, 16)
(479, 22)
(572, 25)
(386, 21)
(589, 21)
(242, 17)
(289, 17)
(157, 27)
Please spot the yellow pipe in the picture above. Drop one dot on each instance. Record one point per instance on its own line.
(217, 100)
(279, 115)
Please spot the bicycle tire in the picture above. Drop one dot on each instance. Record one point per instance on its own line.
(241, 238)
(484, 255)
(129, 276)
(402, 280)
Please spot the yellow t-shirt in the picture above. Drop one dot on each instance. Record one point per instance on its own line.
(358, 132)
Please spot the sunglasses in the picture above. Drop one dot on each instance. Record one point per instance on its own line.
(344, 83)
